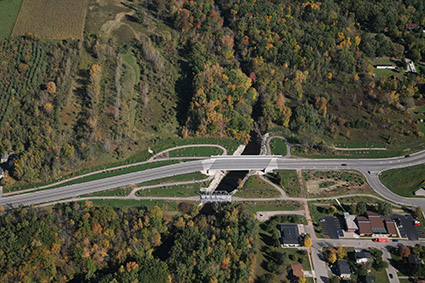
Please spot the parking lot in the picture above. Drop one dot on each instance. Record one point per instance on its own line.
(331, 227)
(406, 227)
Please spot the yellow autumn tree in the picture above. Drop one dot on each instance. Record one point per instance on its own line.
(51, 87)
(307, 241)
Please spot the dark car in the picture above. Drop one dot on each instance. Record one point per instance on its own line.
(391, 276)
(395, 241)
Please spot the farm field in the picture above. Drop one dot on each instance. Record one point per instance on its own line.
(9, 10)
(37, 16)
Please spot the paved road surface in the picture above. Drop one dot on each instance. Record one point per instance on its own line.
(369, 167)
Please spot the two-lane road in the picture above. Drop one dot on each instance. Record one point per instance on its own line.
(369, 167)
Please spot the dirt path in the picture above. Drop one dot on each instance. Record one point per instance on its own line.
(114, 24)
(281, 191)
(288, 146)
(110, 25)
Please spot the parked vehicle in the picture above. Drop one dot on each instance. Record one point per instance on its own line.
(380, 240)
(416, 222)
(395, 241)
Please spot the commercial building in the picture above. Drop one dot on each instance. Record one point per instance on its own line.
(289, 235)
(350, 225)
(376, 224)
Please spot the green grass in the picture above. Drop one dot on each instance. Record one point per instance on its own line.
(303, 259)
(381, 276)
(253, 207)
(384, 72)
(164, 205)
(404, 181)
(336, 183)
(139, 156)
(387, 73)
(278, 147)
(121, 192)
(178, 178)
(255, 187)
(196, 151)
(383, 61)
(114, 173)
(172, 191)
(294, 256)
(131, 60)
(9, 10)
(359, 145)
(352, 154)
(289, 180)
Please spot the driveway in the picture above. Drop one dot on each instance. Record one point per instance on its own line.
(390, 269)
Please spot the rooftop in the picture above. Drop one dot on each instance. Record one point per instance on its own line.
(414, 259)
(297, 270)
(362, 254)
(349, 221)
(289, 234)
(343, 267)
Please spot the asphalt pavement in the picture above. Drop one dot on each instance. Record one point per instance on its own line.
(369, 167)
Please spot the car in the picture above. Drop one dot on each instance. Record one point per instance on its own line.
(400, 226)
(407, 155)
(391, 276)
(395, 241)
(343, 164)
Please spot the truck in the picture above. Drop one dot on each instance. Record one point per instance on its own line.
(380, 240)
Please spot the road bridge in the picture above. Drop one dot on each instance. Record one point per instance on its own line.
(371, 168)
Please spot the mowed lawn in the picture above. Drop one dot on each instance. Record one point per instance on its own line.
(9, 10)
(404, 181)
(52, 19)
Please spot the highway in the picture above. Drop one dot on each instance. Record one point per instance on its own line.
(371, 168)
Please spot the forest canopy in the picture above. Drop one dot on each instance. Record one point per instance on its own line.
(210, 68)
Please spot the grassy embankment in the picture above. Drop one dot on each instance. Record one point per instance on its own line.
(253, 206)
(169, 206)
(288, 179)
(9, 11)
(255, 187)
(196, 151)
(278, 147)
(140, 156)
(404, 181)
(113, 173)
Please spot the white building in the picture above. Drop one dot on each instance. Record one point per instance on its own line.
(350, 225)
